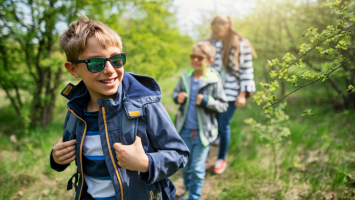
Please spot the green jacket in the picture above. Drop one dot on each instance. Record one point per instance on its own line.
(214, 101)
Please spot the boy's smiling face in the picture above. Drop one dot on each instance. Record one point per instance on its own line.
(101, 84)
(199, 65)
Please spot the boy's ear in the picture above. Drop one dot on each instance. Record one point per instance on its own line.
(211, 61)
(226, 26)
(71, 68)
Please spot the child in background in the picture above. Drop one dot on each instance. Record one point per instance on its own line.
(200, 93)
(233, 61)
(120, 135)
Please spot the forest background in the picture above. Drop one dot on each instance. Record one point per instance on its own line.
(299, 157)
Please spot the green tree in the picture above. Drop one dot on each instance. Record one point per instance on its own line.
(32, 63)
(29, 58)
(330, 52)
(275, 27)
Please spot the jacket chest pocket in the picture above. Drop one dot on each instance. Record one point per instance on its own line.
(128, 129)
(123, 130)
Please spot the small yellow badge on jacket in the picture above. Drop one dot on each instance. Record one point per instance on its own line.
(133, 114)
(67, 90)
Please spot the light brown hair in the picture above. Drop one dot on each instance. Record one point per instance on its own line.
(206, 48)
(74, 40)
(231, 40)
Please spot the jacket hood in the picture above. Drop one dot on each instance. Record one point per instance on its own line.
(211, 75)
(135, 90)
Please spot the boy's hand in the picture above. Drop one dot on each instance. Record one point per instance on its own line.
(132, 157)
(181, 97)
(199, 98)
(240, 101)
(64, 152)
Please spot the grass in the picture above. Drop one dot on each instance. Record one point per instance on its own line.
(317, 161)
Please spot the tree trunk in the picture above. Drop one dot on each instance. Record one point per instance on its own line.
(37, 107)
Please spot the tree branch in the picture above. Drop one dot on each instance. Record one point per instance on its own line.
(336, 87)
(320, 43)
(332, 104)
(18, 20)
(13, 102)
(278, 101)
(12, 32)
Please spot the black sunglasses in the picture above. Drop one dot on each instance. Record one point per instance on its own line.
(98, 64)
(199, 58)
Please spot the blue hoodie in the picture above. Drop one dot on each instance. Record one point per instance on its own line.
(136, 110)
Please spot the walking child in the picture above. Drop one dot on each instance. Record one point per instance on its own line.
(200, 93)
(233, 60)
(120, 135)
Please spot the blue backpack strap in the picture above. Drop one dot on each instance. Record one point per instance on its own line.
(170, 195)
(69, 127)
(70, 182)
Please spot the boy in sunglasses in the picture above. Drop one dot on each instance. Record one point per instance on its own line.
(200, 93)
(117, 131)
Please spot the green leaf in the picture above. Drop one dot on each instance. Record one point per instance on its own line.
(307, 112)
(351, 88)
(270, 63)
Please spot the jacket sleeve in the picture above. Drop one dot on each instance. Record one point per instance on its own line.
(218, 100)
(178, 88)
(246, 70)
(172, 152)
(58, 167)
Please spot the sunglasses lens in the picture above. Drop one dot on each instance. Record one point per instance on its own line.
(199, 58)
(118, 60)
(96, 64)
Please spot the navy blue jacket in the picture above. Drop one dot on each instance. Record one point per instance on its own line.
(136, 110)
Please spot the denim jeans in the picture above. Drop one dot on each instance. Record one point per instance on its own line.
(224, 132)
(194, 172)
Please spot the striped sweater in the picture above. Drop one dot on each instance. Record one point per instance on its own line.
(97, 177)
(243, 80)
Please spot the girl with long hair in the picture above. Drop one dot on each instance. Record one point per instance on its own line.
(233, 61)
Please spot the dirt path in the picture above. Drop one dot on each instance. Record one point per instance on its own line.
(208, 189)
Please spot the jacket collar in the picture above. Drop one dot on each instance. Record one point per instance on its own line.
(211, 76)
(139, 90)
(135, 91)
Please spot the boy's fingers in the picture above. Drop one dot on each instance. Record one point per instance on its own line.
(119, 163)
(138, 141)
(67, 155)
(67, 144)
(60, 140)
(69, 160)
(65, 150)
(117, 146)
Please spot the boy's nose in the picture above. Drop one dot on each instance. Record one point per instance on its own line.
(108, 68)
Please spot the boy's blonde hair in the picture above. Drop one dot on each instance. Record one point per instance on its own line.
(74, 40)
(206, 48)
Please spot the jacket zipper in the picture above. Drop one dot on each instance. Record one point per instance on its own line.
(81, 152)
(201, 131)
(151, 195)
(186, 102)
(109, 149)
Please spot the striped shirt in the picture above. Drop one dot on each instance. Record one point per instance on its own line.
(96, 174)
(243, 81)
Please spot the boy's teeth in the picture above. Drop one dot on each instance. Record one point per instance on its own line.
(108, 81)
